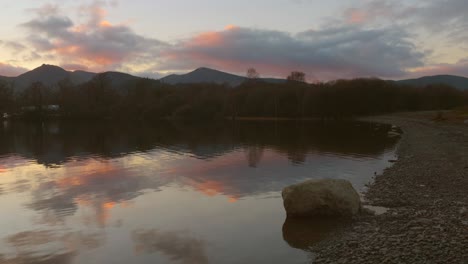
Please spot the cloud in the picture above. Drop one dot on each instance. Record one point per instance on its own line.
(45, 10)
(10, 70)
(97, 43)
(445, 17)
(376, 11)
(370, 39)
(342, 51)
(16, 47)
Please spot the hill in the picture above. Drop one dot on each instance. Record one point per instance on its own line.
(455, 81)
(50, 75)
(204, 75)
(207, 75)
(78, 77)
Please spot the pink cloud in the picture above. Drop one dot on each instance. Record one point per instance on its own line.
(354, 16)
(341, 52)
(97, 43)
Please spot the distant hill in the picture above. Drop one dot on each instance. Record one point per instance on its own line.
(118, 79)
(207, 75)
(204, 75)
(78, 77)
(455, 81)
(50, 75)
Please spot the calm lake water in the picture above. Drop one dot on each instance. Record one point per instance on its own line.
(171, 193)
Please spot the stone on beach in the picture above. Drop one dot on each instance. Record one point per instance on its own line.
(322, 197)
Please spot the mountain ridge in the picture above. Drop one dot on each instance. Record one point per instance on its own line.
(50, 75)
(458, 82)
(208, 75)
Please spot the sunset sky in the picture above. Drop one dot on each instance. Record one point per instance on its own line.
(390, 39)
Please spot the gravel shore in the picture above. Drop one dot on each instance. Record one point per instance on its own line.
(426, 191)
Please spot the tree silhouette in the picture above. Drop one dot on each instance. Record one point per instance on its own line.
(38, 95)
(252, 74)
(296, 76)
(6, 97)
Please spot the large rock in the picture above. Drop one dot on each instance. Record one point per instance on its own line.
(324, 197)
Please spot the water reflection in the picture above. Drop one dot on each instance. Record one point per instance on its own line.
(55, 143)
(178, 246)
(112, 193)
(304, 233)
(48, 246)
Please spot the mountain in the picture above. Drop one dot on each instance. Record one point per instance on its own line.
(204, 75)
(455, 81)
(78, 77)
(50, 75)
(120, 81)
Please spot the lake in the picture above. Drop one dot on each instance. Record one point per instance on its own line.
(98, 192)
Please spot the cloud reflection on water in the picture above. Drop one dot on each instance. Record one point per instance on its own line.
(179, 246)
(88, 175)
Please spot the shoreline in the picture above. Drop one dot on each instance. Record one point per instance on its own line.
(426, 192)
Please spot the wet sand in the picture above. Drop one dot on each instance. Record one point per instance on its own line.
(426, 191)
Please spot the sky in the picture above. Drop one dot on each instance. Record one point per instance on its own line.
(390, 39)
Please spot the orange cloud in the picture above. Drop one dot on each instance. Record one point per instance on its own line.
(206, 39)
(356, 17)
(105, 24)
(231, 27)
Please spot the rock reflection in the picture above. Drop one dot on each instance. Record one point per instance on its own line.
(304, 233)
(178, 246)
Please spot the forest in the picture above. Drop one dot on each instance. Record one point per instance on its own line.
(148, 99)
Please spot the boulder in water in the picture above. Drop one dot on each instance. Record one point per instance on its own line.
(322, 197)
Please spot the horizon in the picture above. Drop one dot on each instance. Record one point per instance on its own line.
(222, 71)
(385, 39)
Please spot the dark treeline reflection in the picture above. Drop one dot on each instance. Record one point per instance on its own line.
(54, 142)
(149, 99)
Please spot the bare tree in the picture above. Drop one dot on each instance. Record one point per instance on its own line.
(252, 74)
(296, 76)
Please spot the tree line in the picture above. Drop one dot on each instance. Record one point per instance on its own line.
(151, 99)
